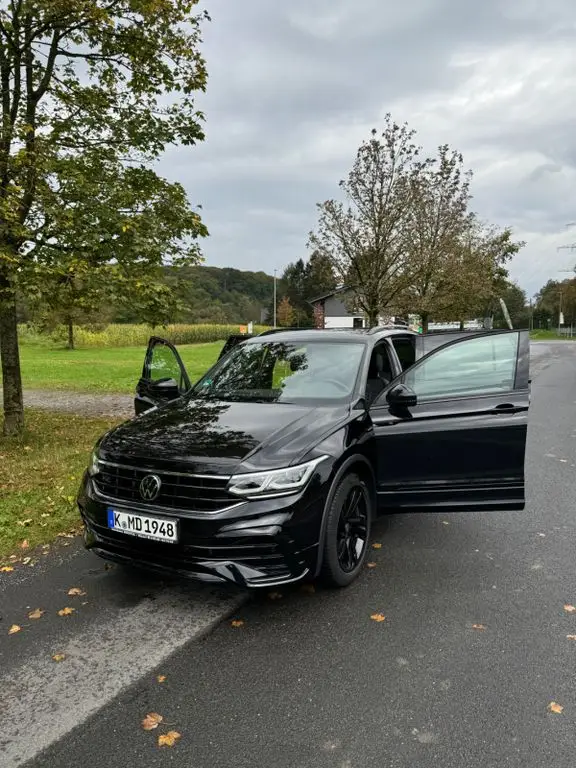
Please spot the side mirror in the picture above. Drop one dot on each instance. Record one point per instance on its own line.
(166, 389)
(402, 396)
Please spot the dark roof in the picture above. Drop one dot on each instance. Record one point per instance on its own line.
(325, 296)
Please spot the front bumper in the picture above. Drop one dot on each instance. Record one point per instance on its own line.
(258, 544)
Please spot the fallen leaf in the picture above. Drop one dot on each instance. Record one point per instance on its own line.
(378, 617)
(66, 611)
(571, 637)
(168, 739)
(24, 544)
(151, 721)
(445, 522)
(569, 608)
(13, 629)
(275, 595)
(371, 565)
(6, 569)
(37, 614)
(75, 591)
(24, 522)
(480, 627)
(309, 589)
(109, 566)
(236, 623)
(161, 678)
(556, 708)
(26, 560)
(58, 657)
(377, 545)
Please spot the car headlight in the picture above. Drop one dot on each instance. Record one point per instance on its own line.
(93, 467)
(275, 482)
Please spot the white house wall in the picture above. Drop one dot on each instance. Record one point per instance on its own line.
(339, 322)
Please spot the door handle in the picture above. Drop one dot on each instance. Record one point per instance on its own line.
(508, 408)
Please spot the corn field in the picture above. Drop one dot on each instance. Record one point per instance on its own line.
(132, 335)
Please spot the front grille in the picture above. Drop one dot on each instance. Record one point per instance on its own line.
(277, 558)
(196, 493)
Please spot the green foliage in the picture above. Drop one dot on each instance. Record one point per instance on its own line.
(130, 335)
(285, 313)
(303, 281)
(515, 300)
(214, 295)
(552, 297)
(93, 92)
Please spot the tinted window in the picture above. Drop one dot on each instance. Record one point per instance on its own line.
(285, 372)
(163, 365)
(482, 365)
(405, 350)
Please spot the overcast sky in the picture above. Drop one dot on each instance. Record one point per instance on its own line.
(295, 87)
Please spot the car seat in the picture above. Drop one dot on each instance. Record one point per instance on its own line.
(379, 374)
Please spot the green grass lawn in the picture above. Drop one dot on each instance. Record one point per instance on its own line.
(102, 370)
(117, 369)
(540, 334)
(40, 475)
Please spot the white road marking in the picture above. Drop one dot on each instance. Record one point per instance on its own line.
(42, 700)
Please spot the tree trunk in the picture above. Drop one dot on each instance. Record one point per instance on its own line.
(461, 325)
(425, 316)
(10, 358)
(70, 333)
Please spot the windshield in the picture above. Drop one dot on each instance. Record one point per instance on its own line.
(284, 372)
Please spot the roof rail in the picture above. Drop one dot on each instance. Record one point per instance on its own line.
(281, 330)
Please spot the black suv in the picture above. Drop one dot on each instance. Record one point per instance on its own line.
(271, 468)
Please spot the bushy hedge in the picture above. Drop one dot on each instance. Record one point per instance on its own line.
(133, 335)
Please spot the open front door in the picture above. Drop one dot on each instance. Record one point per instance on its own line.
(164, 376)
(451, 431)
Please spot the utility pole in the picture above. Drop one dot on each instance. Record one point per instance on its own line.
(275, 296)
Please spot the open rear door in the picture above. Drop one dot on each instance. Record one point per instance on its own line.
(164, 377)
(233, 341)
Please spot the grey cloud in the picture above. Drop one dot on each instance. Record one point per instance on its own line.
(281, 75)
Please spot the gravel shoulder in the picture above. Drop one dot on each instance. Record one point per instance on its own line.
(83, 404)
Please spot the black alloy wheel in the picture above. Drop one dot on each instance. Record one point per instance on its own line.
(352, 529)
(347, 532)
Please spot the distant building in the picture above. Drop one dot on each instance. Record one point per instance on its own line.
(332, 310)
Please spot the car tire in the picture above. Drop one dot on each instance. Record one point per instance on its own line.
(347, 532)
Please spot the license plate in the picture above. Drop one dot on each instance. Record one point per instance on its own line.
(143, 526)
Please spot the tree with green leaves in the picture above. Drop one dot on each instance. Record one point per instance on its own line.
(319, 276)
(122, 224)
(438, 219)
(285, 313)
(364, 239)
(304, 280)
(480, 272)
(555, 297)
(294, 278)
(515, 299)
(86, 84)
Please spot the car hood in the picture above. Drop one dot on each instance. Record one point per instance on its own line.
(214, 437)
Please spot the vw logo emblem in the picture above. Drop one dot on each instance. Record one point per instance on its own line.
(150, 487)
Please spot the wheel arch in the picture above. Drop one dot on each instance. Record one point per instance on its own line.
(360, 465)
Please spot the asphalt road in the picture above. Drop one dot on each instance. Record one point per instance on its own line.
(310, 680)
